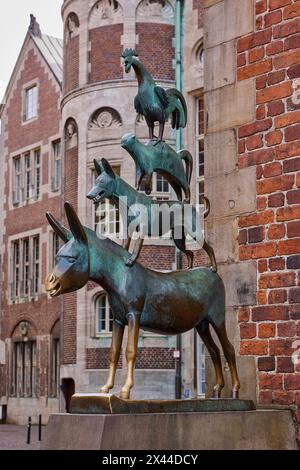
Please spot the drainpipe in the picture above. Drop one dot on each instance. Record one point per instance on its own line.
(178, 75)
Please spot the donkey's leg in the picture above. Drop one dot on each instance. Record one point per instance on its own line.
(126, 242)
(230, 357)
(114, 355)
(180, 243)
(204, 333)
(131, 352)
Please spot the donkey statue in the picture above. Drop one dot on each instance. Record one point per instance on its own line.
(165, 303)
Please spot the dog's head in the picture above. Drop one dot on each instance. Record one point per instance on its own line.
(104, 186)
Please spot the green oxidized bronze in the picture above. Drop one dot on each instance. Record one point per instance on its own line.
(166, 303)
(154, 102)
(110, 186)
(163, 159)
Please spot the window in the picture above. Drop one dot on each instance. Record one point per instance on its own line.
(160, 188)
(200, 148)
(31, 103)
(26, 177)
(106, 215)
(24, 369)
(104, 317)
(55, 246)
(54, 368)
(37, 173)
(200, 367)
(56, 165)
(25, 268)
(17, 180)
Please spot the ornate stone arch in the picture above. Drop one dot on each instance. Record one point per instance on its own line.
(105, 12)
(71, 133)
(25, 328)
(71, 26)
(156, 11)
(105, 117)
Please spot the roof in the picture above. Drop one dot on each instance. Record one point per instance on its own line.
(51, 49)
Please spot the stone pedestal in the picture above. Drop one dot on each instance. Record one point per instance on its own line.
(229, 430)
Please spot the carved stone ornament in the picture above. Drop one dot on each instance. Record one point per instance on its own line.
(71, 135)
(105, 118)
(106, 12)
(155, 11)
(72, 25)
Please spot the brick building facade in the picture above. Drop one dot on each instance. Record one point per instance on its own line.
(252, 99)
(79, 103)
(248, 124)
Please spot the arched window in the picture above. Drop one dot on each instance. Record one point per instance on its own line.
(104, 316)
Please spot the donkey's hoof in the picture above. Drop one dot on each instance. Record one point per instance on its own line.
(125, 394)
(214, 269)
(235, 394)
(104, 390)
(217, 393)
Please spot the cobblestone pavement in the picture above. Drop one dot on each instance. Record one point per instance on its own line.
(14, 437)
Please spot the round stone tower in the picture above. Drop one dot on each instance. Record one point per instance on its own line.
(97, 109)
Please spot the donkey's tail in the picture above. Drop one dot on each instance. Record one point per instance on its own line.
(188, 159)
(207, 206)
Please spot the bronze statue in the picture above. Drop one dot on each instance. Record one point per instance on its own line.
(154, 102)
(166, 303)
(162, 159)
(111, 186)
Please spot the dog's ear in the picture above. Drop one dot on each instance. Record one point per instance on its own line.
(98, 167)
(107, 168)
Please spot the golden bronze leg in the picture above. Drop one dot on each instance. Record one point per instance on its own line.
(131, 351)
(114, 355)
(230, 357)
(204, 333)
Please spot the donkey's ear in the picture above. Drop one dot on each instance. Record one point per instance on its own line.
(58, 228)
(98, 167)
(107, 168)
(75, 224)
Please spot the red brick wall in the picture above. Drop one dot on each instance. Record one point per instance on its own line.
(271, 235)
(106, 51)
(44, 312)
(156, 50)
(98, 358)
(71, 64)
(155, 358)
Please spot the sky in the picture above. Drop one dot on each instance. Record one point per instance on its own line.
(15, 19)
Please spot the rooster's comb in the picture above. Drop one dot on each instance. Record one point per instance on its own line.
(129, 53)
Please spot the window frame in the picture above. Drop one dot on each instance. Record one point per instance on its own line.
(199, 138)
(25, 274)
(31, 103)
(108, 316)
(56, 165)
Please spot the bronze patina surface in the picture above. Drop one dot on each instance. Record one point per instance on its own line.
(162, 158)
(110, 186)
(102, 403)
(167, 303)
(154, 102)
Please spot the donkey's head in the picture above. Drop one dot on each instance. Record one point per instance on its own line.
(71, 271)
(105, 183)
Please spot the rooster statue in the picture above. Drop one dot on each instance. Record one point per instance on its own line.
(154, 102)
